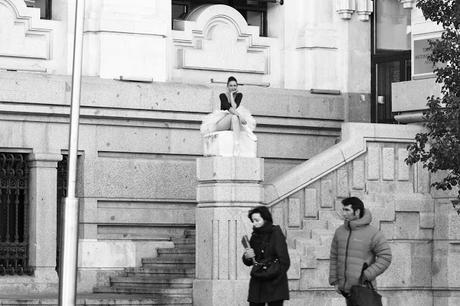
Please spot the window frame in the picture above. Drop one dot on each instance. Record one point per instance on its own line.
(259, 7)
(47, 8)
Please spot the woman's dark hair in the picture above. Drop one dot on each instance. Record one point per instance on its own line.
(231, 78)
(264, 213)
(356, 204)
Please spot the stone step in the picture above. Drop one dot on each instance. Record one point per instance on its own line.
(323, 236)
(183, 241)
(99, 299)
(168, 292)
(185, 246)
(161, 272)
(332, 217)
(190, 233)
(169, 260)
(176, 251)
(176, 256)
(168, 266)
(150, 282)
(310, 224)
(154, 282)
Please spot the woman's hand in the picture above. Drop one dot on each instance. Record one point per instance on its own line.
(243, 121)
(249, 254)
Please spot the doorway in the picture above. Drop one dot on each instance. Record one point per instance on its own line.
(391, 55)
(387, 69)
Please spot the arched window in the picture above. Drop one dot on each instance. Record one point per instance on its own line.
(254, 11)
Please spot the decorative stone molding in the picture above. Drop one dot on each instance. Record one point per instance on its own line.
(408, 4)
(345, 8)
(364, 9)
(218, 38)
(22, 33)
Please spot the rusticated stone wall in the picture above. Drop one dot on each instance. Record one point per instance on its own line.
(137, 158)
(419, 222)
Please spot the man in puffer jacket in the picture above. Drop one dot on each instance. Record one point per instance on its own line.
(355, 243)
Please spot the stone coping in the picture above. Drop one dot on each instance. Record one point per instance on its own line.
(353, 144)
(40, 90)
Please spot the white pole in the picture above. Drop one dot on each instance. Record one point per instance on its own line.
(68, 262)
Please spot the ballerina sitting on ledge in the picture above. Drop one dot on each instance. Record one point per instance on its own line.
(232, 116)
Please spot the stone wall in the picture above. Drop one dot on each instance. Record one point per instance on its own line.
(138, 148)
(419, 223)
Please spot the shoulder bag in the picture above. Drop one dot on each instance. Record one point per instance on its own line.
(364, 294)
(266, 269)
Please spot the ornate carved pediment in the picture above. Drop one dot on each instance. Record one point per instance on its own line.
(22, 33)
(217, 37)
(364, 8)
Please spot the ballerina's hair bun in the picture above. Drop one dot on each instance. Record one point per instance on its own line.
(232, 78)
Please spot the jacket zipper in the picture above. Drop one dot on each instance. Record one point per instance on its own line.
(346, 256)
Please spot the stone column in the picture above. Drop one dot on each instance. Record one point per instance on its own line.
(42, 216)
(228, 187)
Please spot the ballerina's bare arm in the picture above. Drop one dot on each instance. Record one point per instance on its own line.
(233, 110)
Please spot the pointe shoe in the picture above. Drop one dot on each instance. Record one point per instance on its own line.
(251, 135)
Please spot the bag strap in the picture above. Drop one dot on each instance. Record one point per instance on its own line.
(368, 283)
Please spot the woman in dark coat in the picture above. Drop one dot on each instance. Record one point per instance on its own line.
(267, 244)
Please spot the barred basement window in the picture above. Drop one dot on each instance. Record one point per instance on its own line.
(254, 11)
(14, 216)
(61, 194)
(43, 5)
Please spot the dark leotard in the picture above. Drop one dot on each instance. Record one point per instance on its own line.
(225, 104)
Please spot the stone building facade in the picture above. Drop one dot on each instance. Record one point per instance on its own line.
(305, 68)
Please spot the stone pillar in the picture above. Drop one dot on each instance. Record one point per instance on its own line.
(228, 187)
(42, 216)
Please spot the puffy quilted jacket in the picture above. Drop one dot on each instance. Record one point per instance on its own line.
(355, 243)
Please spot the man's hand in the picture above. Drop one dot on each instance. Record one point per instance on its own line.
(249, 254)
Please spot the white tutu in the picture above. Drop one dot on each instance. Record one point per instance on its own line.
(210, 121)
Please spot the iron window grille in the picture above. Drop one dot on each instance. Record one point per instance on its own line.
(61, 194)
(14, 214)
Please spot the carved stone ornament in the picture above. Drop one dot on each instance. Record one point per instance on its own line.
(22, 34)
(408, 4)
(218, 38)
(364, 9)
(345, 8)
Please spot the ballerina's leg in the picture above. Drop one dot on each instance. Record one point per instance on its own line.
(236, 133)
(224, 124)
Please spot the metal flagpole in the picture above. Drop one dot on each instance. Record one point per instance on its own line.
(68, 263)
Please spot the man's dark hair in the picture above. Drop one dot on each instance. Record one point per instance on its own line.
(355, 203)
(264, 213)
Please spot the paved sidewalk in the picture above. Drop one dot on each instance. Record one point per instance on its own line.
(92, 299)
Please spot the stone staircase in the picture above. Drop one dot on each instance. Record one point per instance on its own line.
(163, 280)
(168, 278)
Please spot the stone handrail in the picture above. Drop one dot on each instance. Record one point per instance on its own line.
(353, 144)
